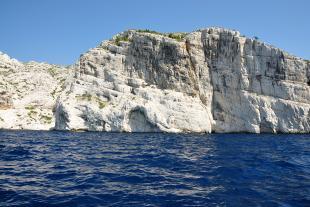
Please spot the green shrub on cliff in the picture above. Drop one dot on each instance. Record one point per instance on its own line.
(177, 36)
(148, 31)
(30, 107)
(120, 38)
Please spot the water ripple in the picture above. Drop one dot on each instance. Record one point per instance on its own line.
(111, 169)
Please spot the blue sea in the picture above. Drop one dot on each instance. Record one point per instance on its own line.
(153, 169)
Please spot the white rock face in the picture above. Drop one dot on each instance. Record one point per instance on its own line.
(211, 80)
(256, 87)
(28, 93)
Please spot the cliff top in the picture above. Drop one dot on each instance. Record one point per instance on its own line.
(178, 36)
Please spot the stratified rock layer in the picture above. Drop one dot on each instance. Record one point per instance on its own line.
(211, 80)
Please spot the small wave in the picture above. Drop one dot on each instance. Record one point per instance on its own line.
(102, 169)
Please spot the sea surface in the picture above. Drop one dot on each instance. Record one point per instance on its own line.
(149, 169)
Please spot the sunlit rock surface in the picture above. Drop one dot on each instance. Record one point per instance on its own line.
(28, 92)
(210, 80)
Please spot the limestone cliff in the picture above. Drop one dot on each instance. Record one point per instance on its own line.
(28, 93)
(210, 80)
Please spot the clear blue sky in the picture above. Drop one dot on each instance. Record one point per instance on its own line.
(58, 31)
